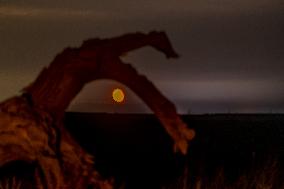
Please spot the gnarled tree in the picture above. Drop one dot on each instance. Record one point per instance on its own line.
(31, 125)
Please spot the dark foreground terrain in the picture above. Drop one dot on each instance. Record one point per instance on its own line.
(137, 152)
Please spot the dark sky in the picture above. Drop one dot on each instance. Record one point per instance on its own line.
(232, 51)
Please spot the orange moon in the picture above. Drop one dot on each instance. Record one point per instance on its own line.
(118, 95)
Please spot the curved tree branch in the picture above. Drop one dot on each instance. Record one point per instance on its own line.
(63, 79)
(31, 125)
(58, 84)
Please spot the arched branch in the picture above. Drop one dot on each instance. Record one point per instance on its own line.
(58, 84)
(31, 126)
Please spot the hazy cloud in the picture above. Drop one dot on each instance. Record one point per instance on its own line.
(139, 8)
(34, 12)
(232, 50)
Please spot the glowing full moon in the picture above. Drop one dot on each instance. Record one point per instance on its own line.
(118, 95)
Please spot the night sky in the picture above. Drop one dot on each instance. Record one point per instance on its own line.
(232, 51)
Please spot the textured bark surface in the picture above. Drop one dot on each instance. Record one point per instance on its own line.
(31, 126)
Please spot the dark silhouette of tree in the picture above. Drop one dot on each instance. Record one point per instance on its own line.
(31, 125)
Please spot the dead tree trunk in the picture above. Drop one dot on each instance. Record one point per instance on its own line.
(31, 126)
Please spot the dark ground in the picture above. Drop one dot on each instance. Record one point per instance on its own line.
(136, 151)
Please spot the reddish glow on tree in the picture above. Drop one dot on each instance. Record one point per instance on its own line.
(118, 95)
